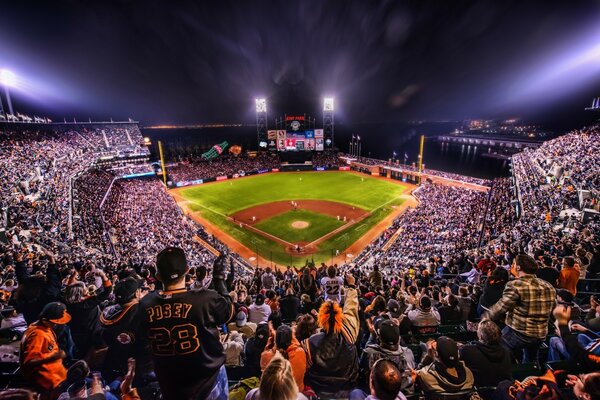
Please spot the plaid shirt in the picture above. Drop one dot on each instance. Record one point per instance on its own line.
(528, 303)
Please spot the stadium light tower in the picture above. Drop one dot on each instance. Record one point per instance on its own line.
(8, 79)
(261, 123)
(328, 109)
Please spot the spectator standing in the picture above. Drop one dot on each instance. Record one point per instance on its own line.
(181, 328)
(332, 356)
(527, 303)
(569, 276)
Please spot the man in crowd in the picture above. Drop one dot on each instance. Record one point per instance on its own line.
(332, 355)
(487, 354)
(527, 303)
(41, 358)
(446, 374)
(332, 285)
(181, 330)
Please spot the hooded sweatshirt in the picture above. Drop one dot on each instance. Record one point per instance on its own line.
(434, 379)
(482, 358)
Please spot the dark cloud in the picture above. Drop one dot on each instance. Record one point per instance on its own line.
(206, 61)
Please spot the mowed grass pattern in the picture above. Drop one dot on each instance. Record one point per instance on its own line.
(235, 195)
(217, 200)
(281, 226)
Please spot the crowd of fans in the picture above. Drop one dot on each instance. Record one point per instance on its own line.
(224, 165)
(463, 296)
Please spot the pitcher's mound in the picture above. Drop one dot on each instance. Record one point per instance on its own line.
(300, 224)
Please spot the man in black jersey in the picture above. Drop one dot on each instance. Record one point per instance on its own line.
(180, 326)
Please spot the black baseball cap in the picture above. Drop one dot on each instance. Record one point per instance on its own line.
(171, 263)
(389, 333)
(125, 289)
(447, 351)
(56, 312)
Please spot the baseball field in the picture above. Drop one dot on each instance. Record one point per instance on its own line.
(287, 218)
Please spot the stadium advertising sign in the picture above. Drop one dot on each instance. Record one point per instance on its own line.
(222, 178)
(188, 183)
(272, 140)
(319, 142)
(281, 140)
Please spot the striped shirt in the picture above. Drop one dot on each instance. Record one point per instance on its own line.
(527, 303)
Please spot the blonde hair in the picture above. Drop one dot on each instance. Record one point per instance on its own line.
(277, 381)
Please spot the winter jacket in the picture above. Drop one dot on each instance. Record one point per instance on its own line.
(482, 358)
(333, 359)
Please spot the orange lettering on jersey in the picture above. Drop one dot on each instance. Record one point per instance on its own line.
(186, 309)
(159, 312)
(167, 311)
(150, 314)
(177, 310)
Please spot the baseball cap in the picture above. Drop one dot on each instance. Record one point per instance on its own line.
(394, 308)
(447, 351)
(262, 331)
(260, 299)
(240, 318)
(56, 312)
(125, 289)
(171, 263)
(389, 333)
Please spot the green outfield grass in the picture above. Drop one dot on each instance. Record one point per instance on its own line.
(216, 201)
(281, 226)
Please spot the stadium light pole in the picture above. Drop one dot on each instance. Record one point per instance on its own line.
(421, 157)
(162, 162)
(8, 79)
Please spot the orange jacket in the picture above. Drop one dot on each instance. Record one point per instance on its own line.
(39, 342)
(568, 279)
(297, 358)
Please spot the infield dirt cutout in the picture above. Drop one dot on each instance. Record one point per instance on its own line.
(255, 214)
(300, 224)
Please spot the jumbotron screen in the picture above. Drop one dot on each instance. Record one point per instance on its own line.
(295, 137)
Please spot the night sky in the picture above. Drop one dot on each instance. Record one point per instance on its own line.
(185, 62)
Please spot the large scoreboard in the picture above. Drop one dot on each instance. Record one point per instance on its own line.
(297, 136)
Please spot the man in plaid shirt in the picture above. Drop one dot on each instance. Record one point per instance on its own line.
(527, 302)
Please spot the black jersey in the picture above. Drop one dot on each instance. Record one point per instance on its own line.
(182, 334)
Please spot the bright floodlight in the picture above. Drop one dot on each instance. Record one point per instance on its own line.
(261, 105)
(328, 104)
(8, 78)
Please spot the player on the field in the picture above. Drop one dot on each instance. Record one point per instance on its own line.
(181, 328)
(332, 285)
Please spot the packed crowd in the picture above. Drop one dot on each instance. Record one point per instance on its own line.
(142, 218)
(445, 223)
(224, 165)
(464, 289)
(327, 159)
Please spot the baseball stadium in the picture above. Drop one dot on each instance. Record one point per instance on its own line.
(356, 200)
